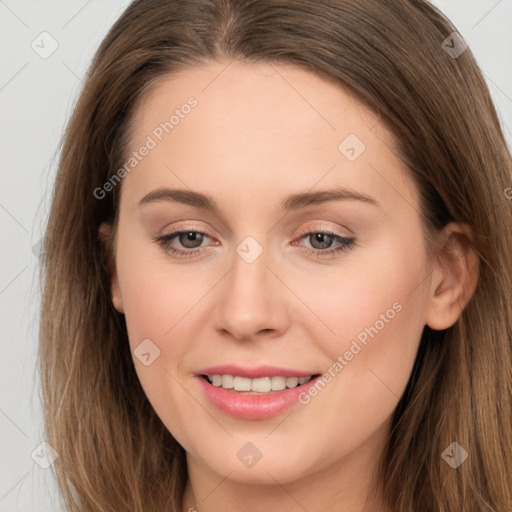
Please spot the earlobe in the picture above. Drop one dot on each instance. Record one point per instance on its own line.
(455, 277)
(105, 234)
(116, 295)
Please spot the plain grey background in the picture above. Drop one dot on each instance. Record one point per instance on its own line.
(36, 98)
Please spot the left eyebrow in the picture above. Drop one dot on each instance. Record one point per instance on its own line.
(304, 199)
(291, 202)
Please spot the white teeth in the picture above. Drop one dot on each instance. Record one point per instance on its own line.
(227, 381)
(259, 385)
(262, 385)
(241, 383)
(291, 382)
(278, 383)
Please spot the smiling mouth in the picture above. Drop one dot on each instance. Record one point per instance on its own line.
(258, 386)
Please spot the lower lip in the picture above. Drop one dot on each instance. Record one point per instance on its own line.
(253, 407)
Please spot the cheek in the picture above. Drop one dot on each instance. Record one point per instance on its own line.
(155, 294)
(377, 323)
(377, 316)
(372, 292)
(156, 299)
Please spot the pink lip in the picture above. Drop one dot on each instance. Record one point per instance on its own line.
(254, 373)
(253, 407)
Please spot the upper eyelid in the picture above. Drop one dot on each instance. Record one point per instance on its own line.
(312, 229)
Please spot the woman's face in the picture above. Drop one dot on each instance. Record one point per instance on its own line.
(283, 156)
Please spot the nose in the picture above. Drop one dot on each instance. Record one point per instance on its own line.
(252, 301)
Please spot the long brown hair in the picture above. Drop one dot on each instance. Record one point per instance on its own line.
(114, 452)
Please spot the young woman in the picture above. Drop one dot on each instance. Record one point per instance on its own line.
(276, 270)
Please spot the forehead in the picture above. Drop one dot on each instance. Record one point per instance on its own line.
(262, 95)
(255, 126)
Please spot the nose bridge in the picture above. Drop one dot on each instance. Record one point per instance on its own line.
(250, 297)
(248, 282)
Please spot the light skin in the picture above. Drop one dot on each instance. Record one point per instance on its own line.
(258, 134)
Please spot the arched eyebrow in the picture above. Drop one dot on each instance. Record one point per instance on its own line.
(289, 203)
(304, 199)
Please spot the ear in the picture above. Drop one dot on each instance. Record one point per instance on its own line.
(105, 235)
(454, 278)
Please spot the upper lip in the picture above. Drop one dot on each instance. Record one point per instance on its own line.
(255, 372)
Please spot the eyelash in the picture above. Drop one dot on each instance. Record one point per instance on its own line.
(164, 242)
